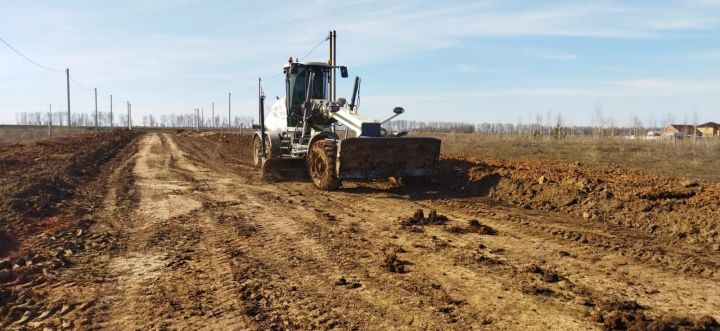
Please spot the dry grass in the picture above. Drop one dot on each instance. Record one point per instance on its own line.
(20, 134)
(694, 160)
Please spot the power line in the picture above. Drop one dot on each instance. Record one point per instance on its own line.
(79, 85)
(314, 48)
(280, 73)
(272, 77)
(27, 58)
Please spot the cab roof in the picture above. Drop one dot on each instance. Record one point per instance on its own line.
(308, 63)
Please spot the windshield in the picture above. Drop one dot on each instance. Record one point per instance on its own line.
(296, 90)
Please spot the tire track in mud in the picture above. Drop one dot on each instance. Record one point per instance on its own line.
(52, 289)
(173, 272)
(349, 246)
(311, 271)
(614, 261)
(488, 265)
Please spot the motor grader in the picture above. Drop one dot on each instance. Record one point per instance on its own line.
(304, 125)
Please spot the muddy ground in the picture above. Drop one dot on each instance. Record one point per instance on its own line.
(178, 231)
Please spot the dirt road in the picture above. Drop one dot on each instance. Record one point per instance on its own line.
(187, 236)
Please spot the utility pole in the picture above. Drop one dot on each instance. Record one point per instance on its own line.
(261, 113)
(111, 114)
(202, 117)
(229, 102)
(212, 123)
(67, 80)
(50, 122)
(129, 116)
(96, 113)
(197, 119)
(333, 39)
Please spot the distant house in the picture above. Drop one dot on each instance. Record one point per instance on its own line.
(709, 129)
(680, 131)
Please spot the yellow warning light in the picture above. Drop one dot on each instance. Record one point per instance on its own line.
(329, 61)
(290, 59)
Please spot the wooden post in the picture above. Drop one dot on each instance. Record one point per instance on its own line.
(67, 79)
(96, 112)
(50, 122)
(111, 114)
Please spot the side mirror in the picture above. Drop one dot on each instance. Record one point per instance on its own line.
(399, 110)
(343, 72)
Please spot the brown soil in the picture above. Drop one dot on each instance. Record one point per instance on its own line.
(629, 315)
(676, 209)
(179, 231)
(38, 179)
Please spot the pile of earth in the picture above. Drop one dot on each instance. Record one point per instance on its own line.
(675, 208)
(239, 144)
(629, 315)
(37, 179)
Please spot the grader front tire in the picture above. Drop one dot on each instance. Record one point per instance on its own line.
(321, 161)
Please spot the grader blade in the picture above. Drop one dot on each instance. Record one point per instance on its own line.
(380, 158)
(283, 169)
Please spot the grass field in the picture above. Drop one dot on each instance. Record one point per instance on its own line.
(698, 160)
(20, 134)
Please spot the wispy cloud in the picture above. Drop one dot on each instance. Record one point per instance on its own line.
(706, 55)
(467, 67)
(688, 23)
(664, 86)
(622, 88)
(545, 55)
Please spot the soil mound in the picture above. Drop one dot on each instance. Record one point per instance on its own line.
(675, 208)
(419, 218)
(629, 315)
(37, 178)
(41, 198)
(239, 144)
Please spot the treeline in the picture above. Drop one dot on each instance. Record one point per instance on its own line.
(556, 128)
(121, 119)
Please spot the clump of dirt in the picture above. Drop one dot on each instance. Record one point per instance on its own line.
(629, 315)
(392, 262)
(482, 258)
(674, 208)
(548, 275)
(456, 229)
(342, 281)
(474, 226)
(537, 290)
(419, 218)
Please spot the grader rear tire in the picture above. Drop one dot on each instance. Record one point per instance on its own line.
(257, 158)
(321, 165)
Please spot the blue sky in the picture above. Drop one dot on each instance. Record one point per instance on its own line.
(475, 61)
